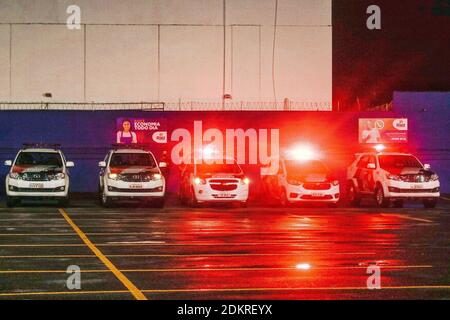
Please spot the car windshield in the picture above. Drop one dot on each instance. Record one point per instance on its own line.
(232, 168)
(301, 168)
(39, 159)
(132, 159)
(399, 161)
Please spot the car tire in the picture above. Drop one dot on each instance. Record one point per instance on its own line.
(12, 202)
(244, 204)
(192, 201)
(380, 199)
(158, 203)
(398, 204)
(332, 205)
(105, 200)
(284, 202)
(353, 198)
(64, 202)
(430, 204)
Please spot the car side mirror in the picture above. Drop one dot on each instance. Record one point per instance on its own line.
(371, 166)
(70, 164)
(163, 164)
(102, 164)
(426, 166)
(8, 163)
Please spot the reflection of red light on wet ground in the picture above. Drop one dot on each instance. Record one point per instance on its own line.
(303, 266)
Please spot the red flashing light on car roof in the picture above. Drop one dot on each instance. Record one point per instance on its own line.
(379, 147)
(303, 153)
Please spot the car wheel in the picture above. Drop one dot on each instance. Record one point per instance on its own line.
(64, 202)
(430, 204)
(193, 203)
(11, 202)
(353, 198)
(106, 201)
(380, 199)
(244, 204)
(284, 202)
(159, 203)
(398, 204)
(332, 205)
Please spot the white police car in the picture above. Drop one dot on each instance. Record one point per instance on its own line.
(302, 181)
(131, 173)
(219, 180)
(391, 177)
(38, 171)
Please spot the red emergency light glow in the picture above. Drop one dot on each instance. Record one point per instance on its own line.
(379, 147)
(303, 153)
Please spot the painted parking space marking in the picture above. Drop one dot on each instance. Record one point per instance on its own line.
(119, 275)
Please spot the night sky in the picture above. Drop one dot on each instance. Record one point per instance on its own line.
(411, 52)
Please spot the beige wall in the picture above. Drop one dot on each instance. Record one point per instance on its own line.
(171, 51)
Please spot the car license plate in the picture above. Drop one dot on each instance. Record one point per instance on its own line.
(36, 185)
(135, 186)
(417, 186)
(317, 194)
(224, 195)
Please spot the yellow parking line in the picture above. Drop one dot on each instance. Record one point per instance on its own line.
(408, 217)
(119, 275)
(213, 269)
(18, 294)
(37, 293)
(293, 289)
(180, 255)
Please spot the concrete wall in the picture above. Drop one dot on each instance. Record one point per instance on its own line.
(164, 50)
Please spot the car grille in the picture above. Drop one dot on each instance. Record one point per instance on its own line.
(311, 197)
(223, 184)
(414, 190)
(38, 176)
(231, 196)
(414, 178)
(114, 189)
(316, 186)
(135, 177)
(36, 190)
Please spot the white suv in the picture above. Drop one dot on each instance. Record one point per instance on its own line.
(131, 173)
(391, 177)
(38, 172)
(215, 182)
(299, 181)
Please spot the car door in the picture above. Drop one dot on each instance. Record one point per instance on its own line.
(361, 172)
(103, 171)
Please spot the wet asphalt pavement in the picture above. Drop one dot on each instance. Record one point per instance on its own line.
(224, 253)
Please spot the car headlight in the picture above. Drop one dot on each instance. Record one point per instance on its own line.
(113, 176)
(14, 175)
(294, 182)
(246, 180)
(156, 176)
(198, 181)
(59, 176)
(393, 177)
(434, 177)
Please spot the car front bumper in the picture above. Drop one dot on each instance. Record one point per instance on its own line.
(400, 189)
(122, 189)
(300, 194)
